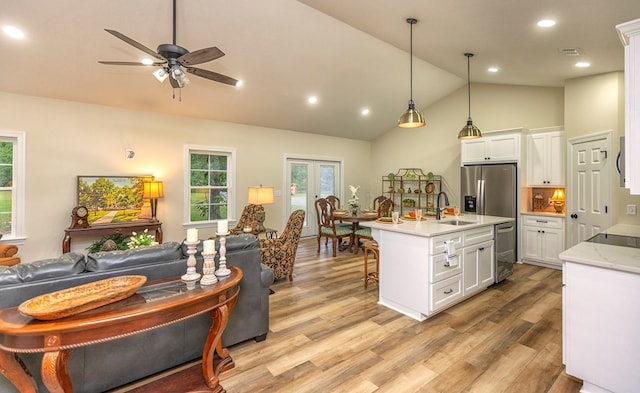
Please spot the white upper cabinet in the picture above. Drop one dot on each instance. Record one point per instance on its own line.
(630, 36)
(491, 149)
(545, 159)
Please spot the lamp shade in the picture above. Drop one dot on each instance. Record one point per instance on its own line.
(259, 195)
(558, 195)
(469, 131)
(411, 118)
(153, 190)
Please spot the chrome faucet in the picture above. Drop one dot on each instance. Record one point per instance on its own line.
(438, 209)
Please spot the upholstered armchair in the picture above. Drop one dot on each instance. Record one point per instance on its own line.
(248, 218)
(7, 255)
(280, 254)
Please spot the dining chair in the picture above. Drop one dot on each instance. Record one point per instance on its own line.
(334, 201)
(327, 227)
(377, 201)
(384, 210)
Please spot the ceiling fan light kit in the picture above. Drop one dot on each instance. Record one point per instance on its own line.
(172, 57)
(469, 131)
(411, 118)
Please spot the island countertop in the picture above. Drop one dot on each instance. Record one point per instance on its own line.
(608, 256)
(432, 227)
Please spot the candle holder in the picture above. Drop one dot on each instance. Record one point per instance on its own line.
(222, 269)
(191, 274)
(208, 270)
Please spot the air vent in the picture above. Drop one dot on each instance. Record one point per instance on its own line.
(572, 52)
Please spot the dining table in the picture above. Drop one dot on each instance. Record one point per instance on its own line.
(355, 220)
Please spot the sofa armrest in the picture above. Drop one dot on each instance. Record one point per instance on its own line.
(266, 275)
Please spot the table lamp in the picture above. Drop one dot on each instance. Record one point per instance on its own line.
(153, 191)
(558, 200)
(259, 195)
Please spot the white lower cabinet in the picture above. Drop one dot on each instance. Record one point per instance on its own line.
(477, 267)
(601, 344)
(542, 239)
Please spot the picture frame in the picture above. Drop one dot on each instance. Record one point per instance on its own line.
(113, 199)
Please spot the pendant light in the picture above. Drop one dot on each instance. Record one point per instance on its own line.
(469, 131)
(411, 118)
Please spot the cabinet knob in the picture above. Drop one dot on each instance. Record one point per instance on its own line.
(448, 291)
(574, 215)
(481, 249)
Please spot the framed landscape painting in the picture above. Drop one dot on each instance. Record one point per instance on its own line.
(112, 199)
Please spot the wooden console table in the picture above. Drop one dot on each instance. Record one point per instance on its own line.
(144, 311)
(125, 228)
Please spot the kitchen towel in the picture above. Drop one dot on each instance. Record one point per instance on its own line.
(450, 250)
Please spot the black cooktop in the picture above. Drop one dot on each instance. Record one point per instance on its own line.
(616, 240)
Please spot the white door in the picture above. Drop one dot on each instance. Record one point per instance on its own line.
(310, 180)
(589, 196)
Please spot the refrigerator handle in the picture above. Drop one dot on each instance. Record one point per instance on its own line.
(480, 193)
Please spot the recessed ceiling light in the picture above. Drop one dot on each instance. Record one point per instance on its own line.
(365, 112)
(546, 23)
(239, 83)
(147, 61)
(582, 64)
(493, 69)
(312, 100)
(13, 32)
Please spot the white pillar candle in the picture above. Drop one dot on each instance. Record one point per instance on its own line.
(223, 226)
(208, 246)
(192, 235)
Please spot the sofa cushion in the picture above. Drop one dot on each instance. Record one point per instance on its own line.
(107, 260)
(67, 264)
(9, 275)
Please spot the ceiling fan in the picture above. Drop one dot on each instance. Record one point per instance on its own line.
(173, 57)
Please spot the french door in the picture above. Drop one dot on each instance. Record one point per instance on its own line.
(310, 179)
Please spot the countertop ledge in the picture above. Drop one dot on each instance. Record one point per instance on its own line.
(431, 227)
(606, 256)
(547, 214)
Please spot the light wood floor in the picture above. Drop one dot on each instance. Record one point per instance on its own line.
(327, 333)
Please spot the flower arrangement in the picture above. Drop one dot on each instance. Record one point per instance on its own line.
(141, 240)
(354, 201)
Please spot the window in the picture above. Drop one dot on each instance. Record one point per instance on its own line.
(12, 155)
(211, 172)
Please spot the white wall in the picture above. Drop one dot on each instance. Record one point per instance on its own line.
(66, 139)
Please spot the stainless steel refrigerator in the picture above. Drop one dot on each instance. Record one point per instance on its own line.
(492, 190)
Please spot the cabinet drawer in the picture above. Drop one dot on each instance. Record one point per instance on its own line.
(477, 235)
(440, 269)
(437, 243)
(543, 221)
(446, 292)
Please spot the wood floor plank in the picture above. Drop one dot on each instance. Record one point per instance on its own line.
(327, 333)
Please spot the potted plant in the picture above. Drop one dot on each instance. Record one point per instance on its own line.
(407, 202)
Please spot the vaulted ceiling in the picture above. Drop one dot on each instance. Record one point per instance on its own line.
(350, 54)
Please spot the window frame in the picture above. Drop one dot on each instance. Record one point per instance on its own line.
(231, 182)
(18, 184)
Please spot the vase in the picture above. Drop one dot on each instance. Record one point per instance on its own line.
(354, 211)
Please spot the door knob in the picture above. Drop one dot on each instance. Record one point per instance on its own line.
(574, 215)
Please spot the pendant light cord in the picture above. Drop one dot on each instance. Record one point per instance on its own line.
(411, 22)
(469, 55)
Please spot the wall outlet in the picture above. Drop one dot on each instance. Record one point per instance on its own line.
(631, 210)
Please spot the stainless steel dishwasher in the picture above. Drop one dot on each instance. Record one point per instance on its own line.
(505, 250)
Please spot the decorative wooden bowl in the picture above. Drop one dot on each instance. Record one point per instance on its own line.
(82, 298)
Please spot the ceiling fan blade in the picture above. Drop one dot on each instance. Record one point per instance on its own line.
(135, 44)
(132, 63)
(200, 56)
(214, 76)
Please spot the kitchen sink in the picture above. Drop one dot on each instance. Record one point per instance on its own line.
(457, 223)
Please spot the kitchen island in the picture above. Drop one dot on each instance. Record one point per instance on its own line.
(428, 266)
(600, 319)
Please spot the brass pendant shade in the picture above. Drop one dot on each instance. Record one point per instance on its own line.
(411, 118)
(469, 131)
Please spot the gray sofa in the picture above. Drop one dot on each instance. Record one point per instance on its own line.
(105, 366)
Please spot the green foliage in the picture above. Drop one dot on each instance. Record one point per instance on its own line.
(120, 240)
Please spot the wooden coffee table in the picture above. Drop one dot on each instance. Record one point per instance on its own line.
(153, 306)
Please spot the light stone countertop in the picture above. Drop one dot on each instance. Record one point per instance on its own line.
(607, 256)
(431, 227)
(548, 214)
